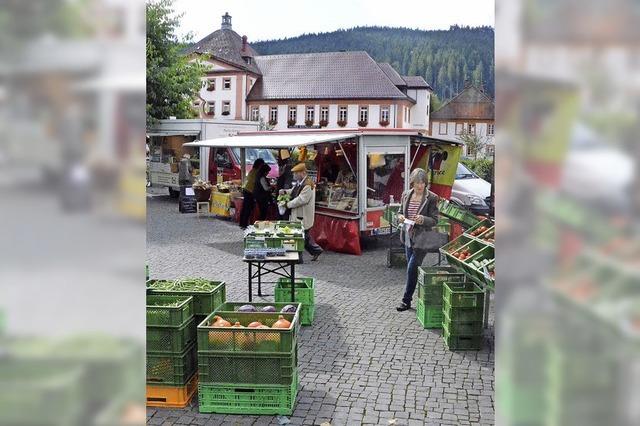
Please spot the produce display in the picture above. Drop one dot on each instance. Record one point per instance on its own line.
(207, 295)
(186, 284)
(266, 238)
(248, 349)
(474, 253)
(284, 198)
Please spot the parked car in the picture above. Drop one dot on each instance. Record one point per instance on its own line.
(471, 191)
(227, 160)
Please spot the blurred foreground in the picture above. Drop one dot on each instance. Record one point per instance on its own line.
(568, 305)
(72, 182)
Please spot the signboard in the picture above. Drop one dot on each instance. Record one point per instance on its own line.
(443, 164)
(187, 202)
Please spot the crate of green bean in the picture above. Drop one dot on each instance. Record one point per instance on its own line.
(207, 295)
(169, 310)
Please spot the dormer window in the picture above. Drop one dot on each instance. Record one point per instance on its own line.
(247, 59)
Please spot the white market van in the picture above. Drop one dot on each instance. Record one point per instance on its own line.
(167, 137)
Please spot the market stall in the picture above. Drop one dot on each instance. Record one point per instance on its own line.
(357, 174)
(165, 152)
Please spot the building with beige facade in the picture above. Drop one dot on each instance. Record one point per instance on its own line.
(311, 90)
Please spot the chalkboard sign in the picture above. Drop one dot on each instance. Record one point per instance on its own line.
(187, 201)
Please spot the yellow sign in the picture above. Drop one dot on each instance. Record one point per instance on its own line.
(221, 204)
(445, 163)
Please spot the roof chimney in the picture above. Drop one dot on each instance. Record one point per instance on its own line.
(244, 42)
(226, 21)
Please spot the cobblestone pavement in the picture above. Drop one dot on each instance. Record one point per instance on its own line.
(361, 362)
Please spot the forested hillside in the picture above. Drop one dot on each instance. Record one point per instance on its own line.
(443, 57)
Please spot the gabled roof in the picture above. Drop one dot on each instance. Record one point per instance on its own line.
(472, 103)
(330, 75)
(392, 74)
(416, 82)
(225, 44)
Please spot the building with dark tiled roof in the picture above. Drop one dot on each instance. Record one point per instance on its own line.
(470, 111)
(331, 89)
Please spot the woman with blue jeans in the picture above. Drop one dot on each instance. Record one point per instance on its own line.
(420, 206)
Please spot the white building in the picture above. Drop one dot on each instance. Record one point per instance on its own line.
(331, 89)
(471, 111)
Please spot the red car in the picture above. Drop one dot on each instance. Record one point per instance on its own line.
(228, 161)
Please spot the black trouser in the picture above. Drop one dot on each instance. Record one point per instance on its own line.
(263, 204)
(248, 204)
(310, 245)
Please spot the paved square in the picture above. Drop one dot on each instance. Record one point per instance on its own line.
(361, 362)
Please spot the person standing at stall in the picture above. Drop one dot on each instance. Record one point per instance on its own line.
(420, 206)
(262, 191)
(248, 202)
(284, 182)
(303, 207)
(185, 170)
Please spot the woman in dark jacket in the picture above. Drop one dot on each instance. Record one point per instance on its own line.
(248, 202)
(421, 206)
(262, 191)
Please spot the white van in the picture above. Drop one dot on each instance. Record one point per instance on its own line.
(471, 191)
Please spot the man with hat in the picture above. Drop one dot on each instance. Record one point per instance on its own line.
(303, 206)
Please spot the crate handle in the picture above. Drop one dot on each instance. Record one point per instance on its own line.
(469, 297)
(244, 390)
(151, 399)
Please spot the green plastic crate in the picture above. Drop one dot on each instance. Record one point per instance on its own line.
(248, 399)
(206, 297)
(463, 242)
(169, 315)
(171, 339)
(487, 233)
(304, 294)
(462, 328)
(430, 282)
(488, 252)
(290, 242)
(463, 314)
(429, 316)
(231, 339)
(285, 223)
(243, 368)
(461, 343)
(484, 222)
(172, 369)
(233, 306)
(463, 295)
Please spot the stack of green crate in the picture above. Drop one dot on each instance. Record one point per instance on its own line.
(304, 294)
(171, 340)
(248, 370)
(207, 295)
(430, 281)
(462, 309)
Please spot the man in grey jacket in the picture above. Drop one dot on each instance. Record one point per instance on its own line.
(303, 207)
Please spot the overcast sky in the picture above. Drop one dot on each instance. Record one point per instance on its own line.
(265, 20)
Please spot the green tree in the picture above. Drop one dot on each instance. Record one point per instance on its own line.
(171, 80)
(434, 102)
(475, 143)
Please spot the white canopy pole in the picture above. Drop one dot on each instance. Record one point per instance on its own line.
(243, 165)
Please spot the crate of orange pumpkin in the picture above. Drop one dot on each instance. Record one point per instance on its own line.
(249, 332)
